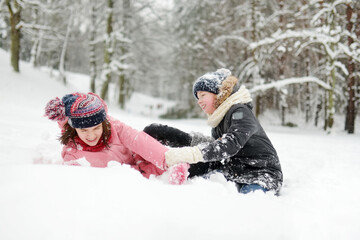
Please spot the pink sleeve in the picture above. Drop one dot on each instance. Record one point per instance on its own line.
(142, 144)
(147, 169)
(69, 159)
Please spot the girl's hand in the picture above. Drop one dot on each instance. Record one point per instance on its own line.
(179, 173)
(185, 154)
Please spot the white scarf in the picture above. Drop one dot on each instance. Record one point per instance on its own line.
(241, 96)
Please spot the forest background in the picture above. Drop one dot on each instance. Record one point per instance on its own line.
(295, 56)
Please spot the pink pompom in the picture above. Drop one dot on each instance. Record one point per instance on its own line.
(55, 110)
(179, 173)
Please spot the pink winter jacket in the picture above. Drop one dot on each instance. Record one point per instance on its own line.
(127, 145)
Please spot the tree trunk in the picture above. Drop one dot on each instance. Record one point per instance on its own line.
(254, 4)
(34, 51)
(36, 44)
(122, 92)
(283, 108)
(357, 68)
(123, 81)
(331, 106)
(326, 111)
(108, 50)
(257, 105)
(318, 110)
(332, 79)
(92, 54)
(350, 113)
(307, 88)
(15, 17)
(62, 74)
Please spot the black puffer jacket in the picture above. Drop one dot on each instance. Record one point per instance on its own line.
(242, 151)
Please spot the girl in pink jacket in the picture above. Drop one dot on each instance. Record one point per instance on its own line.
(89, 134)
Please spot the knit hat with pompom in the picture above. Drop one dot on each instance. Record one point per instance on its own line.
(221, 83)
(82, 110)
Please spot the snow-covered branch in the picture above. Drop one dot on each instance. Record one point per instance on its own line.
(281, 83)
(341, 66)
(328, 7)
(221, 39)
(314, 36)
(35, 26)
(118, 67)
(354, 55)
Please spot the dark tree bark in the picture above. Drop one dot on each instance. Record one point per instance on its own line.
(15, 17)
(350, 113)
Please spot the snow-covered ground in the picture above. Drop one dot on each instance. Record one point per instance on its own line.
(44, 200)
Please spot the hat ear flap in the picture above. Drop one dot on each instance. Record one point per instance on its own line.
(225, 90)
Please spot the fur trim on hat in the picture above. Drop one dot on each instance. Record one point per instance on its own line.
(225, 90)
(211, 81)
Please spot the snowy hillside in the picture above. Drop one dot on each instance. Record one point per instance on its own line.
(44, 200)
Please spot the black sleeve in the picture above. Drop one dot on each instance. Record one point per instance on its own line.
(242, 126)
(169, 136)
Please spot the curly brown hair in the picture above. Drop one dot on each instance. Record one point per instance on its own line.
(69, 133)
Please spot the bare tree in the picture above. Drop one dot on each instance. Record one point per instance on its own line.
(352, 30)
(15, 18)
(108, 49)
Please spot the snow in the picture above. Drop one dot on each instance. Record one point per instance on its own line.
(42, 199)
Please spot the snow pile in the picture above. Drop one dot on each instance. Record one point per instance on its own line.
(46, 201)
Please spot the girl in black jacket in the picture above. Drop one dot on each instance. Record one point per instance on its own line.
(239, 147)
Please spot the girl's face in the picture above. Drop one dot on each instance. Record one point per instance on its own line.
(206, 101)
(91, 135)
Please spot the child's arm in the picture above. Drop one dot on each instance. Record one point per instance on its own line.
(242, 127)
(147, 169)
(69, 159)
(141, 143)
(199, 138)
(174, 137)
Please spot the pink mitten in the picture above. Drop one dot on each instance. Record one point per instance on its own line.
(178, 173)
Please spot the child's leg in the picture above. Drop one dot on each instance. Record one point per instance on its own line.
(247, 188)
(169, 136)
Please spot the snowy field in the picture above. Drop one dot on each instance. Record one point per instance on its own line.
(44, 200)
